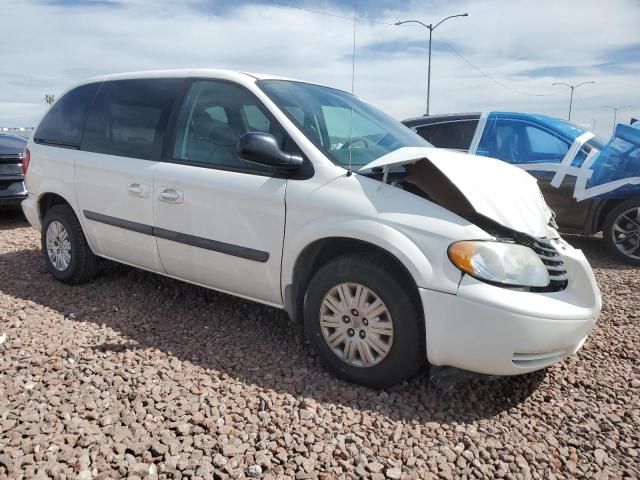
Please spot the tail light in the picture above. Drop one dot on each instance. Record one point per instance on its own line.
(26, 159)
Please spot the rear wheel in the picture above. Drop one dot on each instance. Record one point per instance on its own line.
(363, 321)
(64, 246)
(622, 231)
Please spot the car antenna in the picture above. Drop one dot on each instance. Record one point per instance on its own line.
(353, 76)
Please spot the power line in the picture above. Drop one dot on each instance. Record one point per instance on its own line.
(462, 57)
(325, 13)
(583, 103)
(484, 74)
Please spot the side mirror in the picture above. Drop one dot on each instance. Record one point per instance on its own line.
(262, 148)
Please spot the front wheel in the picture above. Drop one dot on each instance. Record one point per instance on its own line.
(363, 321)
(622, 231)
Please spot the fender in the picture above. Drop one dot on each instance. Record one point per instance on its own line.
(376, 233)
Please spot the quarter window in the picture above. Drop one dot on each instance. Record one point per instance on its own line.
(129, 117)
(213, 117)
(62, 125)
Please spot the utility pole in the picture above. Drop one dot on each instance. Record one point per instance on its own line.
(572, 87)
(431, 28)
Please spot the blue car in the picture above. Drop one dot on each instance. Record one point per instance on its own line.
(592, 184)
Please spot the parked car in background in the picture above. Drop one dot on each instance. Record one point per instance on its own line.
(307, 199)
(12, 190)
(591, 184)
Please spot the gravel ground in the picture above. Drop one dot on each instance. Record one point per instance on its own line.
(135, 375)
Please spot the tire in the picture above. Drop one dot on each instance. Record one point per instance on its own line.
(406, 350)
(83, 264)
(626, 215)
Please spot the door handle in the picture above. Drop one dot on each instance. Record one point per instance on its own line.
(139, 190)
(171, 195)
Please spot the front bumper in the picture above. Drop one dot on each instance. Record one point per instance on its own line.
(499, 331)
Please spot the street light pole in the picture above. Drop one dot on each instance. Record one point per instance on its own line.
(572, 87)
(615, 113)
(431, 28)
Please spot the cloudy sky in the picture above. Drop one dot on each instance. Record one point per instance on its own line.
(520, 47)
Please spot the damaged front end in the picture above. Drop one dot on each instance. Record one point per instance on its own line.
(502, 200)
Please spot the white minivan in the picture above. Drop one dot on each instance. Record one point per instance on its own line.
(303, 197)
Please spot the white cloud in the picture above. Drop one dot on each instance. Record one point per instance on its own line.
(47, 48)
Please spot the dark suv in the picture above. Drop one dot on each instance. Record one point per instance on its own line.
(12, 190)
(591, 184)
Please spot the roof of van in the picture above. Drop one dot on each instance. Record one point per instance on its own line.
(186, 72)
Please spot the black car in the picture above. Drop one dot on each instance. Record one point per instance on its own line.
(12, 190)
(592, 185)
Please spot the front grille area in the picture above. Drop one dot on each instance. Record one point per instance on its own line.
(553, 261)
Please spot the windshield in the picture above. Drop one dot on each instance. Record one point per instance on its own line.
(325, 117)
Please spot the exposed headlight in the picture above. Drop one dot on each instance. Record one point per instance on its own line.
(499, 262)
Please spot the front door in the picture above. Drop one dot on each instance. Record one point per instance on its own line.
(219, 219)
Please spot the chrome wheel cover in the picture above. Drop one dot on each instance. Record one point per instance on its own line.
(356, 324)
(58, 246)
(626, 233)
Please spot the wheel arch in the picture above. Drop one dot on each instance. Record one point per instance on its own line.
(613, 243)
(315, 246)
(48, 200)
(322, 251)
(605, 208)
(56, 194)
(53, 193)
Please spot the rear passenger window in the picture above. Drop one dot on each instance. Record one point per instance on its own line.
(62, 125)
(455, 135)
(129, 117)
(213, 117)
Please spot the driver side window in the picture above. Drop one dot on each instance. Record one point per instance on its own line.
(544, 146)
(214, 116)
(519, 142)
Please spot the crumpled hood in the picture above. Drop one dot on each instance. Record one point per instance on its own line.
(495, 189)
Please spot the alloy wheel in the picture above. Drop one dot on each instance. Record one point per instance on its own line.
(356, 324)
(58, 246)
(626, 233)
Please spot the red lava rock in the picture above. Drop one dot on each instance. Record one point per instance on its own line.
(142, 376)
